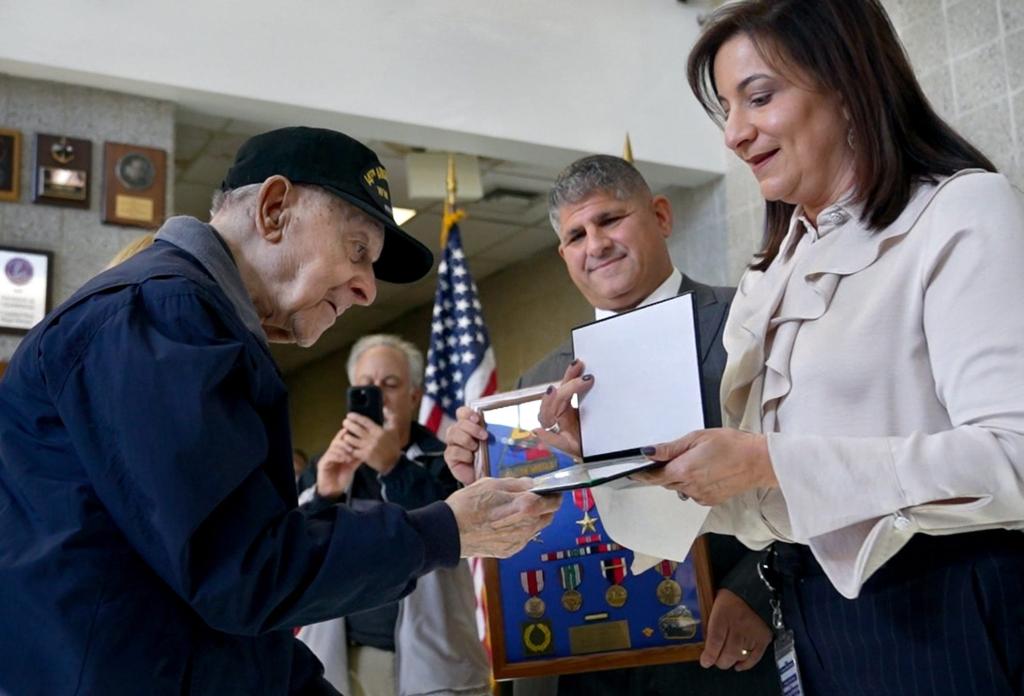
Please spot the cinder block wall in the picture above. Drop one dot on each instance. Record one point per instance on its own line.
(82, 245)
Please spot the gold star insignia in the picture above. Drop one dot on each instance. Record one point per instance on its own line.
(588, 523)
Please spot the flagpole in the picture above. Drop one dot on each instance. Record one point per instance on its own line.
(451, 215)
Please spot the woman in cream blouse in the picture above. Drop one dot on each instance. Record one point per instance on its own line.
(874, 392)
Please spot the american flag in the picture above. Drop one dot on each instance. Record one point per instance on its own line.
(460, 362)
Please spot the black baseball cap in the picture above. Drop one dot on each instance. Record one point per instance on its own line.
(346, 168)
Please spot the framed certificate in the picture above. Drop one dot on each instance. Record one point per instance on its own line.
(568, 601)
(26, 286)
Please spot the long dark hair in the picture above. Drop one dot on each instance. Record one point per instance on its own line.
(848, 47)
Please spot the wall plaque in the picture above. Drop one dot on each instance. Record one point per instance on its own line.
(25, 287)
(10, 164)
(134, 185)
(61, 172)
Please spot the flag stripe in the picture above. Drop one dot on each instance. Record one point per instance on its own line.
(460, 362)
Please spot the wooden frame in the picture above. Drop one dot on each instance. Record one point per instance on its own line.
(10, 165)
(508, 658)
(134, 185)
(15, 279)
(62, 171)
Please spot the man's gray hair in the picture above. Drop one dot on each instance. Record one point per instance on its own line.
(411, 352)
(224, 199)
(594, 174)
(243, 195)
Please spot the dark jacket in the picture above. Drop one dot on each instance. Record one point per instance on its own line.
(416, 480)
(151, 540)
(733, 566)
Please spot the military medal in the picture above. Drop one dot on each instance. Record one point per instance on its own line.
(537, 637)
(533, 583)
(584, 500)
(669, 591)
(579, 551)
(534, 607)
(614, 571)
(678, 624)
(571, 576)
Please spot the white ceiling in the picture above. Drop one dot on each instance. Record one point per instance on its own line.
(501, 229)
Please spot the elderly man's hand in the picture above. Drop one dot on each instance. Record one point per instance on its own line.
(712, 466)
(737, 637)
(464, 438)
(560, 420)
(497, 517)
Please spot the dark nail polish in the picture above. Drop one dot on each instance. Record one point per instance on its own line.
(551, 388)
(587, 378)
(647, 451)
(573, 363)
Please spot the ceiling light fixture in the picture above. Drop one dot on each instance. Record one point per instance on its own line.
(403, 215)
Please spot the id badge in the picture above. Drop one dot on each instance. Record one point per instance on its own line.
(785, 661)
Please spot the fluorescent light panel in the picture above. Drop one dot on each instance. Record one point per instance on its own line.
(403, 215)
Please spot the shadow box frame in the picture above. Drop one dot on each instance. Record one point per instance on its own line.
(502, 667)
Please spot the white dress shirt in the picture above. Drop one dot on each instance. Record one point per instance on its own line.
(665, 291)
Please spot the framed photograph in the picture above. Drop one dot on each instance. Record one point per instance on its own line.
(26, 287)
(134, 185)
(568, 601)
(10, 164)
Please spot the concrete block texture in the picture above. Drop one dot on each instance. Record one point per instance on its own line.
(972, 23)
(82, 245)
(979, 77)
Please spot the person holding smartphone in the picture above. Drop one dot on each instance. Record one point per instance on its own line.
(380, 454)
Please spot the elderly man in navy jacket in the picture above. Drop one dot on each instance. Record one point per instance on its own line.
(151, 539)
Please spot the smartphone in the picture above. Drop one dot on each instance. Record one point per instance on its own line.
(367, 401)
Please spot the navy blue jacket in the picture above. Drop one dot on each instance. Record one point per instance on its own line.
(150, 541)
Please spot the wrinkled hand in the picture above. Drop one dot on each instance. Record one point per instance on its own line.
(335, 469)
(556, 407)
(368, 442)
(497, 517)
(464, 438)
(732, 628)
(712, 466)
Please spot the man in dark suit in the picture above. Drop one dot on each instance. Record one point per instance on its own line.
(613, 236)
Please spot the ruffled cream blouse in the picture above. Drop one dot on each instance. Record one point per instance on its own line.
(887, 370)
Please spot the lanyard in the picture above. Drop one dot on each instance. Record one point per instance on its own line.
(785, 644)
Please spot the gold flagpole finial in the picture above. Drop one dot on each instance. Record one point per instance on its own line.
(451, 184)
(451, 215)
(627, 150)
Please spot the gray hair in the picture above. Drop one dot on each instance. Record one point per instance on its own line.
(594, 174)
(243, 195)
(411, 352)
(225, 199)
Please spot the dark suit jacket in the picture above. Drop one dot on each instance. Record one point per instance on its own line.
(732, 565)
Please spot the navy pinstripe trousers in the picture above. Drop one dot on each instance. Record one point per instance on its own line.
(944, 616)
